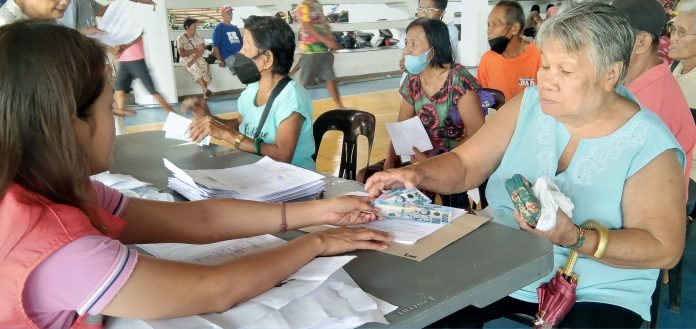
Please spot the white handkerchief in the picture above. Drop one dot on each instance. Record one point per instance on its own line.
(551, 199)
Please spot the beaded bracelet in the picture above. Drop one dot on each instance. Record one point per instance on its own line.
(257, 145)
(580, 241)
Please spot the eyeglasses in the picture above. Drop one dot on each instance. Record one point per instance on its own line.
(426, 11)
(680, 33)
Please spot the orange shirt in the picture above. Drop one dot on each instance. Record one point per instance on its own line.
(509, 75)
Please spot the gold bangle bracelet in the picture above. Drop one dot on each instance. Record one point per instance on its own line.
(602, 232)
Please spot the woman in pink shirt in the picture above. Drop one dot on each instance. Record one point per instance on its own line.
(62, 237)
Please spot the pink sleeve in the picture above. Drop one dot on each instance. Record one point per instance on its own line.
(82, 276)
(111, 200)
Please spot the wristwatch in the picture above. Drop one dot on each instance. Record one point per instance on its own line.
(238, 140)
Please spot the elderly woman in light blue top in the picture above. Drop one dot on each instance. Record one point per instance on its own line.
(264, 61)
(616, 161)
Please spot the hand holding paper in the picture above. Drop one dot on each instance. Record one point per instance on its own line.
(408, 134)
(177, 127)
(123, 22)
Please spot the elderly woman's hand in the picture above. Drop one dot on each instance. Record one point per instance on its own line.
(389, 179)
(347, 210)
(207, 126)
(565, 233)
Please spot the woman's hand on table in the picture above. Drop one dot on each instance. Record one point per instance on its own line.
(565, 233)
(347, 210)
(200, 128)
(408, 177)
(339, 240)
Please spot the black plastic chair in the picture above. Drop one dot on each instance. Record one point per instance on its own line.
(352, 123)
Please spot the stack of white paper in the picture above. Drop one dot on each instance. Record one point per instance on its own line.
(320, 295)
(265, 180)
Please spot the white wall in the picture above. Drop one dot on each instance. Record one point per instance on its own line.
(174, 81)
(158, 58)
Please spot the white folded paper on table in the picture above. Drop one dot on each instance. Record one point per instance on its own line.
(407, 134)
(123, 22)
(336, 302)
(119, 181)
(177, 127)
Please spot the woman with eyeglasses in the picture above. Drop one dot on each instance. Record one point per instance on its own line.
(683, 49)
(264, 60)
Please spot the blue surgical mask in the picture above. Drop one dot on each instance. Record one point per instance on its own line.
(416, 64)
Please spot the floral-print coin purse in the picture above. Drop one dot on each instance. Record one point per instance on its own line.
(523, 199)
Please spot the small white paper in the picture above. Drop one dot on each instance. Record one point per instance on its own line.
(177, 127)
(123, 22)
(407, 134)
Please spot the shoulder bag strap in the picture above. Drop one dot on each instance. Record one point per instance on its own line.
(673, 66)
(278, 88)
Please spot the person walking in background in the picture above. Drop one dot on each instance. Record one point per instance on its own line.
(191, 48)
(316, 41)
(227, 39)
(131, 60)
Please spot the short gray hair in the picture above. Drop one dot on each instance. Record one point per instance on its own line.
(687, 6)
(595, 27)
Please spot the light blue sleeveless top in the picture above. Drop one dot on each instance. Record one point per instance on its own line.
(594, 181)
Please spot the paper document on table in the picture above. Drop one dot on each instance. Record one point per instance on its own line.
(316, 294)
(119, 181)
(177, 127)
(123, 22)
(407, 134)
(265, 180)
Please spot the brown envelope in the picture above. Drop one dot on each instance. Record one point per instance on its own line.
(431, 244)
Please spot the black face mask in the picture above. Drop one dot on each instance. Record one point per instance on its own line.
(498, 44)
(245, 69)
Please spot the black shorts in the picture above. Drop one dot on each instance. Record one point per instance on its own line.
(131, 70)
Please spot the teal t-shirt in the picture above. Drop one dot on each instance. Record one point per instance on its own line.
(293, 98)
(594, 181)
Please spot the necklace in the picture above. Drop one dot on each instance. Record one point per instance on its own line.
(268, 93)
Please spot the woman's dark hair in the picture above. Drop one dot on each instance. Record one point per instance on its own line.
(50, 76)
(535, 8)
(439, 4)
(513, 12)
(275, 35)
(437, 34)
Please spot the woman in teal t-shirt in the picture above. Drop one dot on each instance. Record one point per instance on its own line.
(616, 161)
(264, 61)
